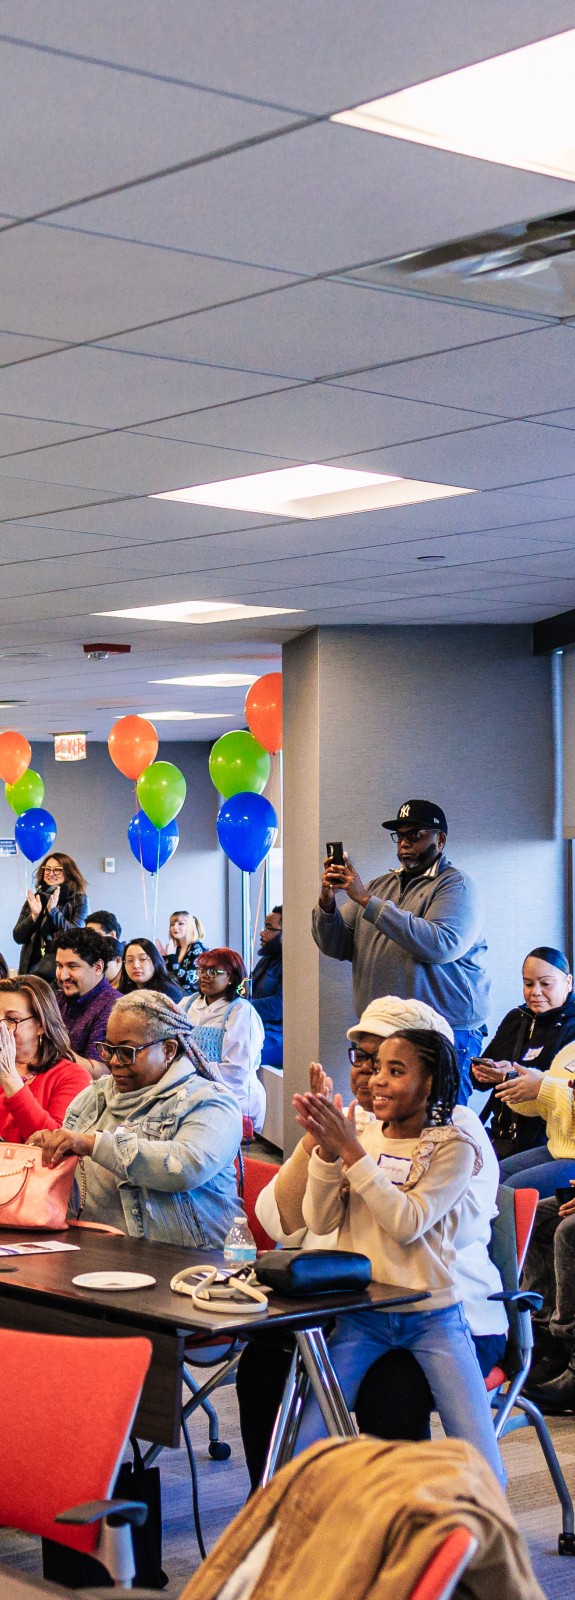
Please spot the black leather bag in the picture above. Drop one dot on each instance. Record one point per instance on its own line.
(297, 1273)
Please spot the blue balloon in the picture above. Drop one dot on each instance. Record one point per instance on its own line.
(35, 832)
(247, 828)
(152, 846)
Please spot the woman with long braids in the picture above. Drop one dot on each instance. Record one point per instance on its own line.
(405, 1178)
(157, 1135)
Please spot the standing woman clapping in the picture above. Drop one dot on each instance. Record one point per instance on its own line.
(57, 903)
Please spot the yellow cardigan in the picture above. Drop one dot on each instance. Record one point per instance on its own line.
(555, 1102)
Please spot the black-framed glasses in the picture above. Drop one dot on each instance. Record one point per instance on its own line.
(14, 1022)
(125, 1054)
(411, 835)
(361, 1058)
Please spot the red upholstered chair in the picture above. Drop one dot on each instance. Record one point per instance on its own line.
(66, 1410)
(257, 1175)
(446, 1567)
(509, 1242)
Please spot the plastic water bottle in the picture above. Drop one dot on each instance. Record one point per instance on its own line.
(240, 1249)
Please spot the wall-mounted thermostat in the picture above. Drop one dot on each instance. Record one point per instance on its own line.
(109, 863)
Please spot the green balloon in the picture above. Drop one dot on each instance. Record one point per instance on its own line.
(239, 765)
(161, 791)
(26, 794)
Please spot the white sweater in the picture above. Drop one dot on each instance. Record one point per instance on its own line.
(242, 1042)
(475, 1275)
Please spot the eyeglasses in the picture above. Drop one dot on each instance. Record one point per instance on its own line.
(411, 835)
(54, 872)
(360, 1058)
(14, 1022)
(212, 972)
(125, 1054)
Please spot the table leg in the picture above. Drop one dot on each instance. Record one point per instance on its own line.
(284, 1436)
(325, 1383)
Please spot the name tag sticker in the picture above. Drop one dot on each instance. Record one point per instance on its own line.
(396, 1168)
(531, 1055)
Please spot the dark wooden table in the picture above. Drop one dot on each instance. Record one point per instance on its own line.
(37, 1294)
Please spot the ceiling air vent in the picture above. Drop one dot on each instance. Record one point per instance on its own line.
(524, 266)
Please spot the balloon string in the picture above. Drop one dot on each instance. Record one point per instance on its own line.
(256, 920)
(156, 887)
(21, 890)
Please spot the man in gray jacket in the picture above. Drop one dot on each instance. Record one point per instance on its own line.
(416, 932)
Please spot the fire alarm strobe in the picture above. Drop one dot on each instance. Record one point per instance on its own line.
(100, 652)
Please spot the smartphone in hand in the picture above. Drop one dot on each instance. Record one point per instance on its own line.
(334, 852)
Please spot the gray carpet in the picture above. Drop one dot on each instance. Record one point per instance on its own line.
(224, 1486)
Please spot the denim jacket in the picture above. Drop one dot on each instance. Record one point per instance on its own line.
(172, 1157)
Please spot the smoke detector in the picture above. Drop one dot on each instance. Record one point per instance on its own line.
(101, 652)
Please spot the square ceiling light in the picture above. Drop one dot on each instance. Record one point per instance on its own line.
(515, 109)
(199, 611)
(311, 491)
(188, 716)
(211, 680)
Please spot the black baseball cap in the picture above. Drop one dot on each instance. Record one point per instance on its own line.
(418, 814)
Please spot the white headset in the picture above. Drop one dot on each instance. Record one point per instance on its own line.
(208, 1295)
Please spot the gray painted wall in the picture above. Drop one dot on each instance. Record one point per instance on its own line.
(460, 715)
(93, 804)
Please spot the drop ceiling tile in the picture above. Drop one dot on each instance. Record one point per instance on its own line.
(20, 346)
(517, 376)
(92, 286)
(315, 329)
(92, 128)
(21, 497)
(31, 433)
(321, 421)
(557, 419)
(154, 520)
(483, 458)
(129, 463)
(315, 53)
(105, 389)
(323, 198)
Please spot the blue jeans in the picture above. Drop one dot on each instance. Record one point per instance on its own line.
(443, 1347)
(469, 1042)
(536, 1169)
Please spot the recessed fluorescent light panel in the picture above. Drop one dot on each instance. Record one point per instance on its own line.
(215, 680)
(199, 611)
(515, 109)
(309, 492)
(188, 716)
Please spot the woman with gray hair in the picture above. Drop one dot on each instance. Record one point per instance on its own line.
(157, 1135)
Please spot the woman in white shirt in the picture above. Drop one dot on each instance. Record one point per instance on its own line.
(227, 1028)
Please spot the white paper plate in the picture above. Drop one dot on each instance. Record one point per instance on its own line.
(113, 1280)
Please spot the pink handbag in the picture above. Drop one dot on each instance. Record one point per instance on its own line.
(33, 1196)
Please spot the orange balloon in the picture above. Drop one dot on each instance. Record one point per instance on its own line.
(264, 711)
(133, 745)
(15, 756)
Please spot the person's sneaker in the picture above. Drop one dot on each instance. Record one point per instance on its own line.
(547, 1366)
(558, 1396)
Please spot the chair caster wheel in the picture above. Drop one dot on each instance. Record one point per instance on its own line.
(219, 1451)
(566, 1544)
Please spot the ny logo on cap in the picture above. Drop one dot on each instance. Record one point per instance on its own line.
(404, 811)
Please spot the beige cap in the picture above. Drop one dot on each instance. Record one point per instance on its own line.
(390, 1015)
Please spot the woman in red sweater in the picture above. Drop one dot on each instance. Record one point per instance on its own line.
(39, 1075)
